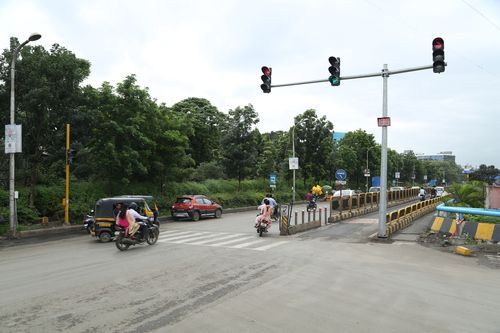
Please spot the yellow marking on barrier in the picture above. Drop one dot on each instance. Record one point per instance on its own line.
(436, 225)
(484, 231)
(453, 227)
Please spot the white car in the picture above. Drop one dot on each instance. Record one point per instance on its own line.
(439, 191)
(345, 193)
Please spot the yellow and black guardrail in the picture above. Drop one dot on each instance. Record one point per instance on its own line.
(401, 218)
(475, 230)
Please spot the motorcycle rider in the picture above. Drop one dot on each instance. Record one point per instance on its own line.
(311, 199)
(421, 194)
(272, 203)
(266, 212)
(125, 220)
(433, 192)
(136, 216)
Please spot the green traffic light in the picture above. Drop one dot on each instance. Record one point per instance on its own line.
(334, 81)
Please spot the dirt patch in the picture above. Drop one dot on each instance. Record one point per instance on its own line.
(486, 252)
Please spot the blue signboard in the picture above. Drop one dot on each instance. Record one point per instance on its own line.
(272, 179)
(340, 174)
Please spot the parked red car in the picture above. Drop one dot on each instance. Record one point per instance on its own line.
(195, 207)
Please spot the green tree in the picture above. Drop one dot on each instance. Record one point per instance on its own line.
(470, 194)
(206, 124)
(47, 96)
(313, 145)
(352, 154)
(485, 173)
(239, 143)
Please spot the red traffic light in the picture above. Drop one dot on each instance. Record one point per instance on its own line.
(266, 71)
(437, 44)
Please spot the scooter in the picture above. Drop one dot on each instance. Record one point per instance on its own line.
(123, 241)
(262, 227)
(311, 205)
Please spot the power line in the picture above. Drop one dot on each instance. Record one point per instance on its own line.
(482, 15)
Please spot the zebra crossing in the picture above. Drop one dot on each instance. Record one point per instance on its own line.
(219, 239)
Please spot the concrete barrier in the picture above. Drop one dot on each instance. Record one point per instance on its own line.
(476, 230)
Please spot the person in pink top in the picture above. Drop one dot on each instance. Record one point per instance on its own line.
(266, 212)
(126, 221)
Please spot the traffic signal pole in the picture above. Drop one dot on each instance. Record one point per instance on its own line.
(385, 73)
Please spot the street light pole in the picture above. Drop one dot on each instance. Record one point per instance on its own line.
(12, 205)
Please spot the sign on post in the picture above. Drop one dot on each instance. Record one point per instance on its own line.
(13, 139)
(341, 174)
(293, 163)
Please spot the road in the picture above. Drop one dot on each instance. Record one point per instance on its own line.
(217, 275)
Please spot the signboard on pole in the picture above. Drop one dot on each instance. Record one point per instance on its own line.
(13, 139)
(293, 163)
(341, 174)
(384, 121)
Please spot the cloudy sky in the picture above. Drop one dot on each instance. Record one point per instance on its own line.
(215, 49)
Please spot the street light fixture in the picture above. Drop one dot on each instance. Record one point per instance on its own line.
(12, 206)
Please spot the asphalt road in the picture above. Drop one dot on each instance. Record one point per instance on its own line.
(217, 275)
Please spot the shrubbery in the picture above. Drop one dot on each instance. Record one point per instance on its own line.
(83, 195)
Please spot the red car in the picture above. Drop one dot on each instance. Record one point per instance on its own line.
(195, 207)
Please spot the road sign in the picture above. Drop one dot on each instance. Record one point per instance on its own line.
(293, 163)
(367, 172)
(340, 174)
(384, 121)
(272, 179)
(397, 175)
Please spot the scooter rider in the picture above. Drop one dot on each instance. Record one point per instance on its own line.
(132, 211)
(272, 203)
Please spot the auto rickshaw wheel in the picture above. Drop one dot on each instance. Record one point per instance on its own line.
(104, 237)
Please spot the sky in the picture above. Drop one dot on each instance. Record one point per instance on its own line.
(215, 50)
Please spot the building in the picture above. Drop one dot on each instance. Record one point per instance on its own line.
(442, 156)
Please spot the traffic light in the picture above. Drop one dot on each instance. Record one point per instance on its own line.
(438, 55)
(334, 70)
(266, 79)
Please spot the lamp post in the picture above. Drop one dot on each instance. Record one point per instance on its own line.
(12, 206)
(367, 169)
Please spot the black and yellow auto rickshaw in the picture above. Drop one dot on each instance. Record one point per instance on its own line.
(104, 215)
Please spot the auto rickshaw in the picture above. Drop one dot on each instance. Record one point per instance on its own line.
(104, 215)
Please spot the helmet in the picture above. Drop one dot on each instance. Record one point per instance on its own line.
(133, 205)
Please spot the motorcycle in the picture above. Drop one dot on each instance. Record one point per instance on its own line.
(311, 205)
(88, 222)
(123, 241)
(262, 227)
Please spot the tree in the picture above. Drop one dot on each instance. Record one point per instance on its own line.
(485, 174)
(352, 154)
(47, 95)
(239, 143)
(470, 194)
(314, 145)
(206, 124)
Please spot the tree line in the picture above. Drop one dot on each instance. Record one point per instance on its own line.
(122, 135)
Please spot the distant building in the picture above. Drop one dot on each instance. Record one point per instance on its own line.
(442, 156)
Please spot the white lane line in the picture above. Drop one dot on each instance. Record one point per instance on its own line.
(239, 246)
(189, 240)
(231, 241)
(266, 247)
(168, 239)
(173, 232)
(216, 240)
